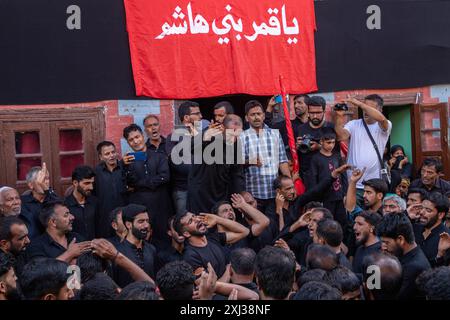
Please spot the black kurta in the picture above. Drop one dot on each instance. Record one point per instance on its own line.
(149, 180)
(211, 183)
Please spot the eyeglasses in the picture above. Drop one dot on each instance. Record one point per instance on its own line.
(195, 113)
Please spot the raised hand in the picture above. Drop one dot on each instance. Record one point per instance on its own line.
(357, 174)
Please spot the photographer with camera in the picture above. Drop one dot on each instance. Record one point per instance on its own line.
(373, 129)
(309, 135)
(399, 162)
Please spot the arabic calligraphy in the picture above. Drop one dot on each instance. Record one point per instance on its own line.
(230, 26)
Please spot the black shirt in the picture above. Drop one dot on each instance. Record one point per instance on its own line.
(31, 208)
(45, 247)
(305, 158)
(179, 172)
(85, 215)
(441, 186)
(163, 146)
(110, 189)
(362, 252)
(166, 255)
(143, 257)
(321, 167)
(212, 253)
(281, 126)
(429, 245)
(413, 264)
(343, 261)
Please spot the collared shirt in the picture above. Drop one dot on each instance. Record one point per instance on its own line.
(413, 264)
(163, 147)
(31, 209)
(268, 146)
(441, 186)
(143, 257)
(110, 189)
(45, 247)
(429, 245)
(85, 215)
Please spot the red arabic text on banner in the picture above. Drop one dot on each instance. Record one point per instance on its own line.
(183, 49)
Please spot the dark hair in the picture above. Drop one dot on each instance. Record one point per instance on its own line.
(434, 283)
(243, 260)
(305, 96)
(114, 213)
(330, 231)
(390, 275)
(378, 185)
(376, 98)
(315, 290)
(217, 205)
(139, 290)
(99, 287)
(252, 104)
(275, 271)
(48, 211)
(321, 257)
(185, 109)
(224, 104)
(423, 193)
(104, 144)
(7, 261)
(312, 275)
(345, 280)
(278, 180)
(395, 148)
(176, 281)
(440, 202)
(327, 215)
(128, 129)
(317, 101)
(82, 172)
(371, 218)
(328, 133)
(5, 226)
(312, 205)
(395, 225)
(433, 162)
(447, 194)
(148, 117)
(90, 264)
(42, 276)
(177, 225)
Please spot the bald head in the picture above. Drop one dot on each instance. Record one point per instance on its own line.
(233, 121)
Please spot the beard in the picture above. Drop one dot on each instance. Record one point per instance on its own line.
(83, 193)
(363, 239)
(431, 222)
(316, 122)
(13, 294)
(139, 234)
(398, 252)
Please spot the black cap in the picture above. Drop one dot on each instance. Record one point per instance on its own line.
(131, 211)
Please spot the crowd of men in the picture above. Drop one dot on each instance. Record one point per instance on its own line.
(217, 211)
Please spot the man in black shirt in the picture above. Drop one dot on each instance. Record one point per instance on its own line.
(39, 193)
(8, 279)
(397, 236)
(155, 142)
(81, 203)
(58, 241)
(14, 240)
(366, 238)
(134, 247)
(429, 177)
(434, 209)
(313, 128)
(147, 179)
(174, 252)
(109, 187)
(205, 247)
(242, 268)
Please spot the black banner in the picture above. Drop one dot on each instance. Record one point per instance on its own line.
(359, 45)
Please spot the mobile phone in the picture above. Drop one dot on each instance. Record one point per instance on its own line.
(139, 156)
(278, 98)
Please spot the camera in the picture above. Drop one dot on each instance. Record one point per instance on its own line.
(341, 106)
(305, 145)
